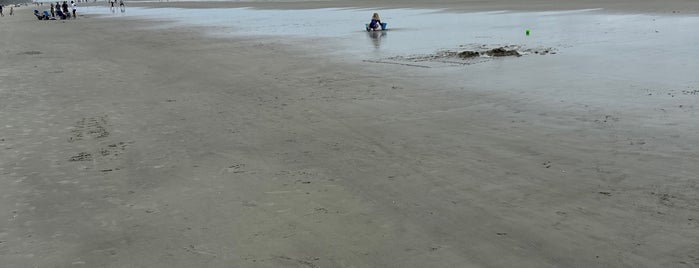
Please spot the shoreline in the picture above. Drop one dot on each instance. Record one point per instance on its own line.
(626, 6)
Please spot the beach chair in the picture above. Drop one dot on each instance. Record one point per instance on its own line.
(38, 15)
(47, 16)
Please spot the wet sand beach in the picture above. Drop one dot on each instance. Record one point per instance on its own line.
(143, 141)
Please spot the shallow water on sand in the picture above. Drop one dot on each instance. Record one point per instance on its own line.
(637, 46)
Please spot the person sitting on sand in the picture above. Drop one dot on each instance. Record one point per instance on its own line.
(375, 23)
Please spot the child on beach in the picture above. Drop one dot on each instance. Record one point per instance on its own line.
(375, 22)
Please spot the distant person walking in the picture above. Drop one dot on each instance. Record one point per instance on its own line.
(121, 6)
(75, 8)
(1, 15)
(53, 10)
(12, 10)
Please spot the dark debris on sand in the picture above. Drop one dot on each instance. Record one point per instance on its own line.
(500, 51)
(465, 55)
(495, 52)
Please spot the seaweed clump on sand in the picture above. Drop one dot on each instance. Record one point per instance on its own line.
(495, 52)
(469, 54)
(502, 52)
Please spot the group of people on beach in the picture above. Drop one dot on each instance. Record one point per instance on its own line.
(60, 10)
(121, 5)
(64, 8)
(12, 11)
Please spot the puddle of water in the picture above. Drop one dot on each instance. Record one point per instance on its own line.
(410, 30)
(634, 45)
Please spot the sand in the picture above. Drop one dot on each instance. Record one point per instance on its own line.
(128, 145)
